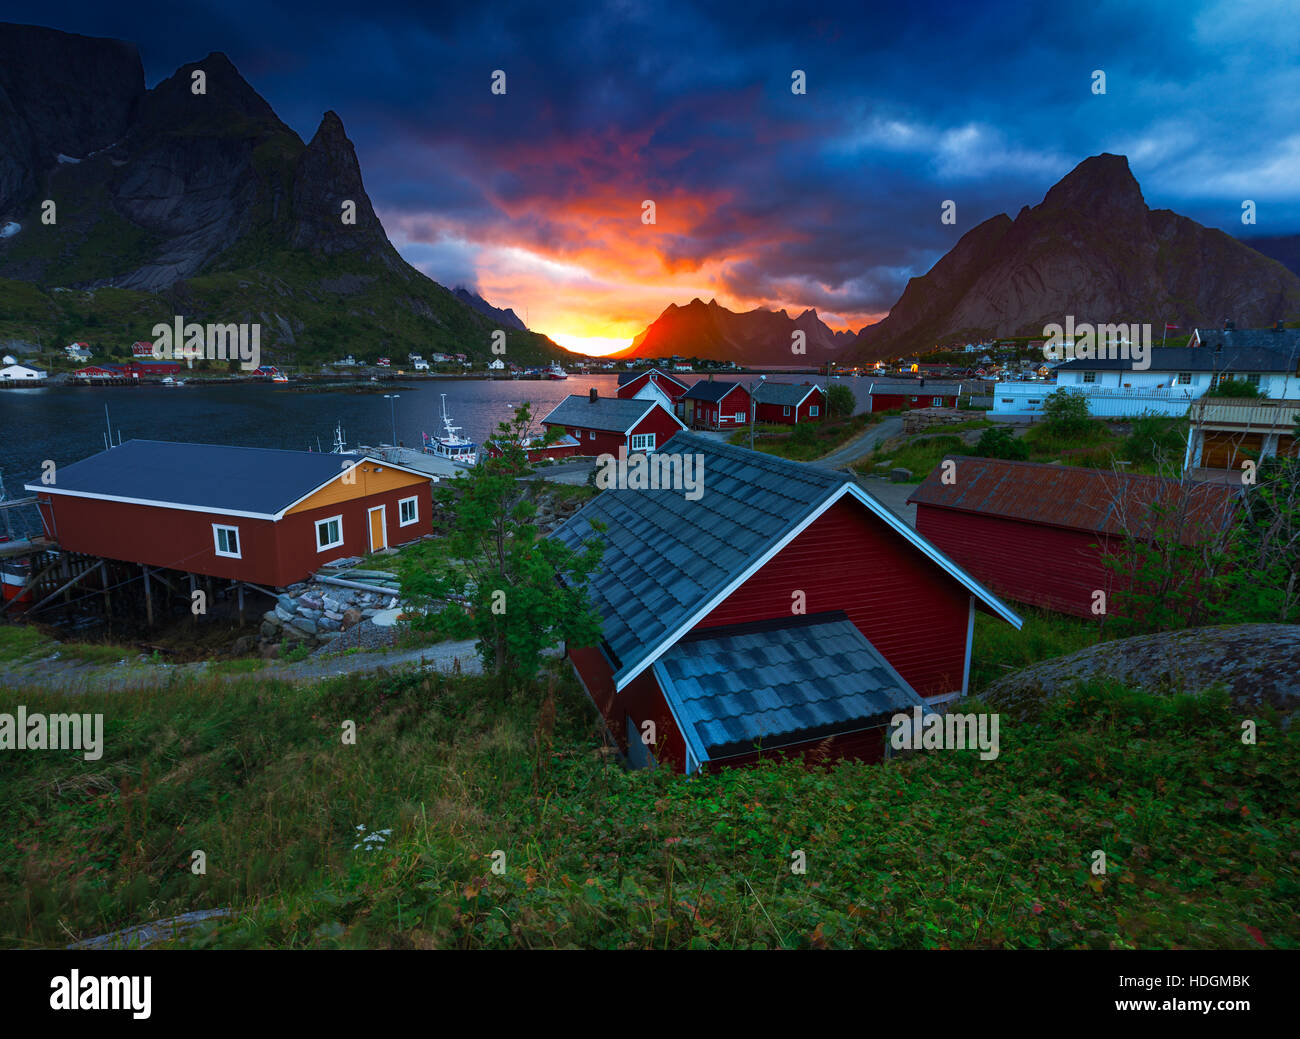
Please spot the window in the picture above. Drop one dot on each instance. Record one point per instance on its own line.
(786, 411)
(643, 442)
(1184, 378)
(812, 410)
(1007, 400)
(1089, 376)
(936, 402)
(1253, 379)
(738, 417)
(226, 540)
(591, 434)
(577, 434)
(408, 511)
(329, 533)
(913, 400)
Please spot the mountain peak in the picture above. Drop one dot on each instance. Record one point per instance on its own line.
(1103, 179)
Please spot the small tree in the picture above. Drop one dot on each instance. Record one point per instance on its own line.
(1237, 388)
(1065, 412)
(999, 442)
(840, 402)
(492, 577)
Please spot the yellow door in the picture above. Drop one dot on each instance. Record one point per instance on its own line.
(378, 538)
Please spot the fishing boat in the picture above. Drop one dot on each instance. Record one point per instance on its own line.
(279, 377)
(555, 371)
(451, 445)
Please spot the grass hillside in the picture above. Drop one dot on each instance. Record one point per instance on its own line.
(937, 850)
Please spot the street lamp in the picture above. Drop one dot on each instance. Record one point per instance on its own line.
(753, 410)
(392, 408)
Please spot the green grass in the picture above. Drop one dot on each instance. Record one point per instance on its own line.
(1000, 650)
(937, 850)
(918, 454)
(19, 643)
(807, 441)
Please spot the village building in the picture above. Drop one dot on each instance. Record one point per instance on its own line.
(247, 514)
(1042, 534)
(142, 348)
(602, 425)
(716, 404)
(126, 373)
(1226, 431)
(562, 447)
(78, 352)
(653, 384)
(783, 609)
(907, 394)
(788, 404)
(21, 374)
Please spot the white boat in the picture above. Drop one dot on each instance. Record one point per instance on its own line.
(279, 377)
(555, 371)
(451, 445)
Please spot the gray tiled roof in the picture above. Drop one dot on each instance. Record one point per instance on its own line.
(1234, 357)
(614, 414)
(913, 387)
(665, 556)
(1286, 339)
(787, 393)
(200, 476)
(709, 390)
(779, 683)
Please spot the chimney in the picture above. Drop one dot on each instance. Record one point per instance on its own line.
(594, 395)
(1228, 326)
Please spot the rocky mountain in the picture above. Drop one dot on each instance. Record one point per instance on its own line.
(709, 330)
(203, 203)
(506, 318)
(1092, 248)
(1283, 248)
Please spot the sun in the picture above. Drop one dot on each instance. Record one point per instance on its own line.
(592, 346)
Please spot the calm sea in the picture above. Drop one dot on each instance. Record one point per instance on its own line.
(67, 424)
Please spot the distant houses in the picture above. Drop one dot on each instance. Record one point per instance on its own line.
(786, 611)
(78, 352)
(21, 375)
(106, 373)
(603, 425)
(1041, 534)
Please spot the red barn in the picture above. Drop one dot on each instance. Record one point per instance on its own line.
(652, 385)
(907, 394)
(788, 404)
(1041, 534)
(782, 608)
(716, 405)
(563, 447)
(601, 425)
(243, 513)
(139, 368)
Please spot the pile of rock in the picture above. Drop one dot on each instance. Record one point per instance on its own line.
(313, 612)
(552, 512)
(924, 418)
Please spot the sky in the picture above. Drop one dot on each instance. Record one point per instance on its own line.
(829, 198)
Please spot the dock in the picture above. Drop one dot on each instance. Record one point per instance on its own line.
(437, 467)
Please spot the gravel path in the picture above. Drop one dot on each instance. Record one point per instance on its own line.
(863, 445)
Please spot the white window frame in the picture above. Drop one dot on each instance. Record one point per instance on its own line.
(415, 510)
(1088, 377)
(641, 442)
(739, 416)
(217, 528)
(591, 434)
(785, 412)
(813, 410)
(936, 402)
(333, 544)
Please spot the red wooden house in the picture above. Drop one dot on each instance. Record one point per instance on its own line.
(785, 609)
(247, 514)
(601, 425)
(717, 404)
(563, 447)
(908, 394)
(1041, 534)
(788, 404)
(652, 385)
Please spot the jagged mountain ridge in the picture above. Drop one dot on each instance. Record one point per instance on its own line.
(710, 330)
(1092, 248)
(210, 205)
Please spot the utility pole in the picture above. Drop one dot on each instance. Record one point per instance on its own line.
(753, 409)
(392, 408)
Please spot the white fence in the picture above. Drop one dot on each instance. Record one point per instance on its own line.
(1020, 398)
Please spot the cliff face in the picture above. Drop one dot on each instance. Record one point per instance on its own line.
(166, 190)
(1093, 249)
(708, 330)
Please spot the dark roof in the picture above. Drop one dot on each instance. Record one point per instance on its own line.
(788, 393)
(615, 414)
(249, 481)
(1286, 339)
(1232, 358)
(625, 377)
(666, 557)
(778, 683)
(913, 387)
(710, 390)
(1093, 500)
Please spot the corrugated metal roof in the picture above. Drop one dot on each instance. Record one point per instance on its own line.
(1073, 497)
(711, 391)
(777, 684)
(214, 477)
(613, 414)
(785, 393)
(1256, 416)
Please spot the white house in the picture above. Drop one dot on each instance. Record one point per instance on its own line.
(496, 364)
(1174, 377)
(10, 359)
(78, 352)
(421, 365)
(21, 373)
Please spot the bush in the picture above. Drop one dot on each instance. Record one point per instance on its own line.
(1155, 442)
(1236, 388)
(840, 402)
(1066, 412)
(998, 442)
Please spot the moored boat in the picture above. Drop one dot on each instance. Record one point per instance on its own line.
(555, 371)
(451, 445)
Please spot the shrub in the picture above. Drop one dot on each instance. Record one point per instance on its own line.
(998, 442)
